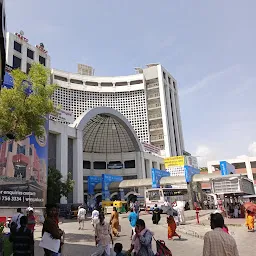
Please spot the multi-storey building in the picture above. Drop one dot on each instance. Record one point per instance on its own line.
(20, 54)
(148, 99)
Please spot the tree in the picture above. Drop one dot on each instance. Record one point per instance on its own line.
(25, 107)
(56, 188)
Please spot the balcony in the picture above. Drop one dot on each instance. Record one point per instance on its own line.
(155, 116)
(154, 127)
(154, 106)
(153, 96)
(158, 137)
(152, 86)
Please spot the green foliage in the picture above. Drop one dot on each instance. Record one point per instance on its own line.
(22, 114)
(56, 188)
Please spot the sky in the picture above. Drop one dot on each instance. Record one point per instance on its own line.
(208, 46)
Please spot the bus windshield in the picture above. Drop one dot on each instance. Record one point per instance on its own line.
(154, 195)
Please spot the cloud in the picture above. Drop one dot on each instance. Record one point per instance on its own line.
(250, 82)
(252, 149)
(203, 154)
(206, 81)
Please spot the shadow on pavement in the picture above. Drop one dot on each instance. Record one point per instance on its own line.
(69, 249)
(70, 237)
(180, 240)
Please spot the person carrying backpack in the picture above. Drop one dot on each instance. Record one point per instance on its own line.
(15, 222)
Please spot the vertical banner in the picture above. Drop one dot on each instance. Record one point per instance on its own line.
(190, 172)
(156, 177)
(226, 168)
(23, 171)
(106, 180)
(92, 182)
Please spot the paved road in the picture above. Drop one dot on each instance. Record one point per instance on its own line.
(81, 242)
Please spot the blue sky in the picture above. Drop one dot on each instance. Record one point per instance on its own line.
(208, 46)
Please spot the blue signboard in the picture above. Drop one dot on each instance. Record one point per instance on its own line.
(226, 168)
(8, 81)
(106, 180)
(190, 172)
(92, 182)
(156, 177)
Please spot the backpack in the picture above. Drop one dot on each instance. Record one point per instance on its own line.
(14, 224)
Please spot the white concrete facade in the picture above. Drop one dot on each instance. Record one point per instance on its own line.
(143, 161)
(149, 101)
(247, 164)
(22, 53)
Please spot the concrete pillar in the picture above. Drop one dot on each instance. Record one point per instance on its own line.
(249, 169)
(62, 158)
(78, 192)
(210, 168)
(190, 195)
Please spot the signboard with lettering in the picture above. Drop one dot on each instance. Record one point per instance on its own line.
(174, 161)
(92, 182)
(106, 180)
(156, 177)
(190, 172)
(226, 168)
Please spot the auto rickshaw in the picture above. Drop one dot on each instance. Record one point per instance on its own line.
(74, 210)
(121, 206)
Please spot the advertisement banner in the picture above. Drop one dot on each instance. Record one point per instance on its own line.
(226, 168)
(190, 172)
(92, 182)
(191, 161)
(106, 180)
(174, 161)
(23, 170)
(156, 177)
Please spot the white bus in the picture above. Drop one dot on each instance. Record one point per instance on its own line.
(160, 195)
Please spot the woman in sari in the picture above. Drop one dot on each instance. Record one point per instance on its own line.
(156, 216)
(172, 228)
(114, 222)
(250, 216)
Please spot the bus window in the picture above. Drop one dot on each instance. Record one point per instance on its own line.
(154, 195)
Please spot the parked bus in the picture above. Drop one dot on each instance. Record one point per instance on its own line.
(160, 195)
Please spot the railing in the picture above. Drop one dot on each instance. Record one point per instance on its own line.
(154, 95)
(149, 86)
(151, 106)
(155, 126)
(155, 115)
(157, 137)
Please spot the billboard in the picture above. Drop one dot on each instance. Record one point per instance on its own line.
(106, 180)
(92, 182)
(226, 168)
(174, 161)
(156, 177)
(190, 172)
(23, 169)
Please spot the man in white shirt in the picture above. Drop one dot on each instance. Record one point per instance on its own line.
(81, 217)
(16, 218)
(95, 217)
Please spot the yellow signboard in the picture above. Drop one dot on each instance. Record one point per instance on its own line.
(174, 161)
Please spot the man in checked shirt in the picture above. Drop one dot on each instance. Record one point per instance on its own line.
(217, 242)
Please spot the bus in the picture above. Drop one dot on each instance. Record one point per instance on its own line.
(160, 195)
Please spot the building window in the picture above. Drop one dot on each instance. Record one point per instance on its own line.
(164, 75)
(10, 147)
(169, 80)
(99, 165)
(21, 150)
(129, 164)
(17, 46)
(64, 79)
(28, 67)
(86, 165)
(30, 54)
(74, 81)
(41, 60)
(30, 151)
(16, 62)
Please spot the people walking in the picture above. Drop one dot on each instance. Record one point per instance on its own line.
(250, 217)
(156, 216)
(22, 239)
(15, 222)
(142, 242)
(81, 217)
(31, 221)
(217, 242)
(137, 208)
(95, 217)
(50, 226)
(172, 228)
(114, 222)
(133, 219)
(103, 236)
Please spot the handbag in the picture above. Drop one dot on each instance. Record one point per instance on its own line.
(49, 243)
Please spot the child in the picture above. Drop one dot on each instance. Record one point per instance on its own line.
(118, 249)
